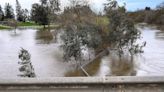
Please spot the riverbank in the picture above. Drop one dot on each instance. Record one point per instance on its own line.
(10, 25)
(28, 25)
(5, 27)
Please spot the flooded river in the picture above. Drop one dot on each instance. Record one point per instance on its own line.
(46, 56)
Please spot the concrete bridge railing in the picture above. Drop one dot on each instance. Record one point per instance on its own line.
(84, 84)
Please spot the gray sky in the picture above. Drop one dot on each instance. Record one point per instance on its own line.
(96, 4)
(131, 5)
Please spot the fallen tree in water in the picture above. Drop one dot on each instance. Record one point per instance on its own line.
(80, 31)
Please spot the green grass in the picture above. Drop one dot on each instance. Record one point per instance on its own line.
(27, 24)
(4, 27)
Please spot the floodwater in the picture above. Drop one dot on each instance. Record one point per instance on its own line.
(46, 56)
(149, 63)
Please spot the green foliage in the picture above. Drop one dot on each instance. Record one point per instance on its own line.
(79, 35)
(4, 27)
(39, 14)
(122, 32)
(1, 14)
(19, 13)
(9, 11)
(44, 13)
(54, 5)
(81, 31)
(26, 65)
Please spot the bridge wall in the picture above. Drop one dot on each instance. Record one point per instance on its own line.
(84, 84)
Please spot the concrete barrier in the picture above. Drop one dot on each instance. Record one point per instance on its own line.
(84, 84)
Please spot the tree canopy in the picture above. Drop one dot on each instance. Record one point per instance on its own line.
(42, 13)
(1, 14)
(9, 11)
(122, 32)
(19, 12)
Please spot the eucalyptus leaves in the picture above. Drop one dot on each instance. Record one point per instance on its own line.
(26, 65)
(121, 34)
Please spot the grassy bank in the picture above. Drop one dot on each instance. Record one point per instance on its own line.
(20, 24)
(4, 27)
(27, 24)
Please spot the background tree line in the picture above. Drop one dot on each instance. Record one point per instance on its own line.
(42, 13)
(150, 16)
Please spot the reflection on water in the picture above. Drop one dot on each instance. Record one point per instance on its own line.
(121, 66)
(44, 37)
(159, 35)
(150, 63)
(91, 69)
(47, 56)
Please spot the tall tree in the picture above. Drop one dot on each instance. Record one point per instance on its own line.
(54, 5)
(80, 31)
(122, 32)
(34, 12)
(9, 11)
(1, 14)
(19, 12)
(43, 2)
(39, 14)
(54, 8)
(25, 14)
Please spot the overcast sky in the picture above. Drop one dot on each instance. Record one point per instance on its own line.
(131, 5)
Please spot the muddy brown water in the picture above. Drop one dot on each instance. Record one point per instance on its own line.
(47, 56)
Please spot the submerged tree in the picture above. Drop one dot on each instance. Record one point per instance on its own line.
(77, 36)
(26, 65)
(79, 31)
(122, 32)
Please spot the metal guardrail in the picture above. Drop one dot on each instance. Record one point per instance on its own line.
(84, 84)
